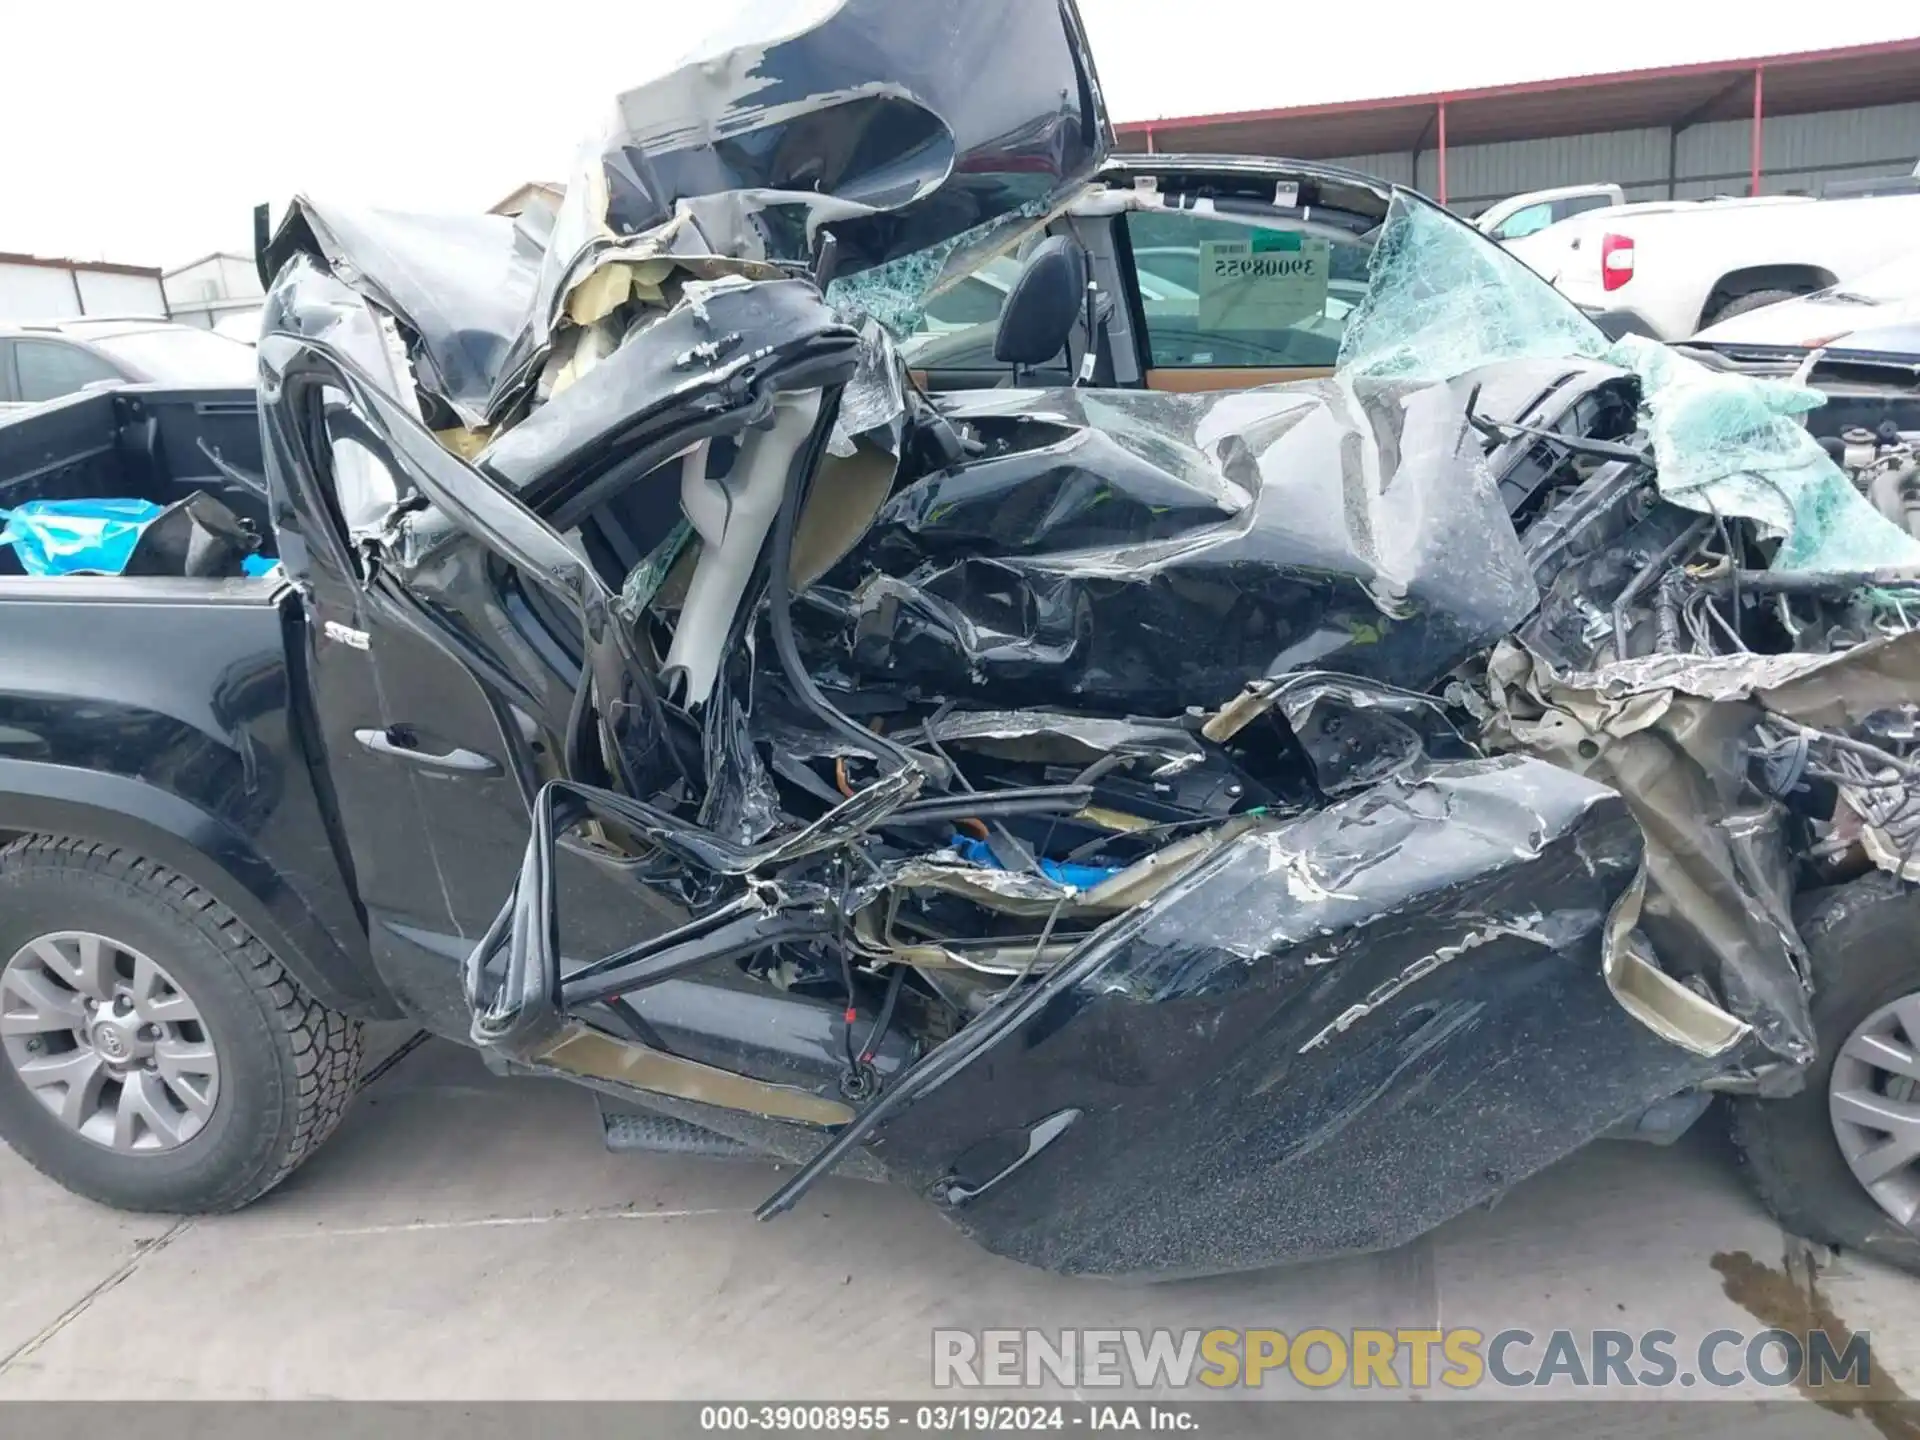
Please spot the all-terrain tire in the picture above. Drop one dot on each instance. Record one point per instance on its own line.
(289, 1065)
(1864, 942)
(1752, 300)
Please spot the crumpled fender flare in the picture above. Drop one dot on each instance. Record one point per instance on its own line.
(337, 970)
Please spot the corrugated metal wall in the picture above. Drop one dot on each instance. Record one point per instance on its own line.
(55, 292)
(1800, 152)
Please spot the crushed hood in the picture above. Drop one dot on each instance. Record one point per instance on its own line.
(899, 123)
(892, 125)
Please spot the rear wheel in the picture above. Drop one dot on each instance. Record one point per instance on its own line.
(154, 1054)
(1752, 300)
(1840, 1162)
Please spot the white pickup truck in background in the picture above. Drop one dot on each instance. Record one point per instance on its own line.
(1669, 268)
(1519, 216)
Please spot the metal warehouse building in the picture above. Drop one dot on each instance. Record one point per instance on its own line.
(1770, 125)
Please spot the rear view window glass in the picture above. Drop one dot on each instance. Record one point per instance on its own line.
(48, 369)
(1216, 293)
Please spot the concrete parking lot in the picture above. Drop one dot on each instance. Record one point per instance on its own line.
(468, 1237)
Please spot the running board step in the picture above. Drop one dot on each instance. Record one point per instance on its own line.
(628, 1131)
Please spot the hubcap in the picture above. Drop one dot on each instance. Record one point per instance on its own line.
(104, 1038)
(1874, 1098)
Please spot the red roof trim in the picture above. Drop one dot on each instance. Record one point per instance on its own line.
(1526, 87)
(97, 267)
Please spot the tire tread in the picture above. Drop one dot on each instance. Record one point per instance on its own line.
(325, 1045)
(1785, 1147)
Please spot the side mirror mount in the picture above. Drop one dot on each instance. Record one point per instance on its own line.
(1045, 303)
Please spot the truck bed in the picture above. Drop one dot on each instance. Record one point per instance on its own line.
(166, 715)
(138, 442)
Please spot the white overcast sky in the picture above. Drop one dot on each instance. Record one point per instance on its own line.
(145, 130)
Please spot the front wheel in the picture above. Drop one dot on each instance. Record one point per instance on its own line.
(1840, 1162)
(154, 1054)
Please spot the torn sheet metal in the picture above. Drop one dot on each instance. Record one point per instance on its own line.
(1354, 734)
(893, 126)
(1149, 552)
(742, 804)
(311, 303)
(713, 357)
(462, 284)
(898, 125)
(1162, 655)
(1454, 923)
(873, 404)
(1736, 677)
(1719, 881)
(1053, 737)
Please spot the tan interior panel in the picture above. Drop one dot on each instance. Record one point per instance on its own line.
(1198, 380)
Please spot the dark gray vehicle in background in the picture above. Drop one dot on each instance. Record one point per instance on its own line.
(42, 362)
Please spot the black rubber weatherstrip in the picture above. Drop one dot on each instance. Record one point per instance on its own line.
(740, 931)
(525, 1003)
(780, 611)
(1032, 800)
(1013, 1010)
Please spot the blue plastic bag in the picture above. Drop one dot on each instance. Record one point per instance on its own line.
(66, 537)
(73, 537)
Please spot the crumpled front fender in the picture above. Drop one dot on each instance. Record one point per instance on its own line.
(1365, 1021)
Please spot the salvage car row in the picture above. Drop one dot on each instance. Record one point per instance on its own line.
(1336, 733)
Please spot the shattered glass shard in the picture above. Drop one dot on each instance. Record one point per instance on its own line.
(1440, 302)
(643, 582)
(897, 293)
(1734, 445)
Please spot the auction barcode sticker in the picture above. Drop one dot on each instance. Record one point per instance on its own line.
(1271, 280)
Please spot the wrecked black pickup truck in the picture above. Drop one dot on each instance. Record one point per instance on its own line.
(1170, 821)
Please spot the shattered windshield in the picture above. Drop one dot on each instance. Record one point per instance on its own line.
(1442, 301)
(967, 275)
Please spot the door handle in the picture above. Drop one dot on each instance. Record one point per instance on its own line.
(953, 1192)
(400, 742)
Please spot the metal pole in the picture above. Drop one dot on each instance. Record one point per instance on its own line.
(1443, 152)
(1759, 111)
(1150, 139)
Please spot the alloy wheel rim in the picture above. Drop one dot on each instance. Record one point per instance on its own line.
(1874, 1100)
(108, 1042)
